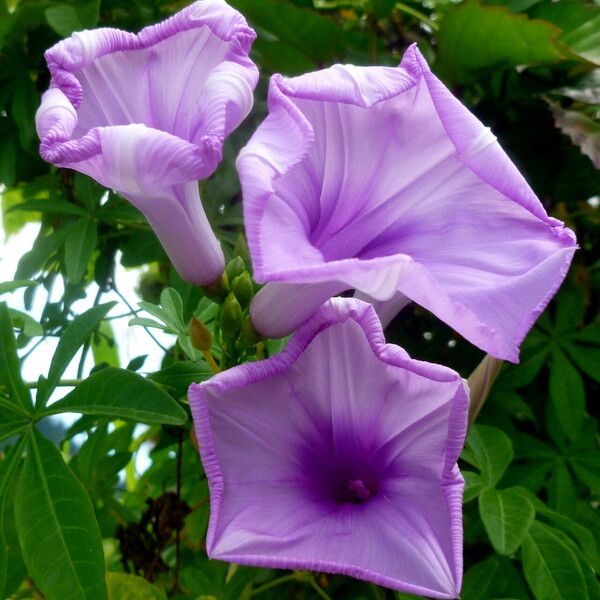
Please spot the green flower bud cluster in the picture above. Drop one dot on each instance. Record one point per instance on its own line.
(234, 291)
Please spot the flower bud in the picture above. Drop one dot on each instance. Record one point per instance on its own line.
(218, 290)
(481, 381)
(243, 289)
(231, 317)
(249, 336)
(235, 267)
(200, 335)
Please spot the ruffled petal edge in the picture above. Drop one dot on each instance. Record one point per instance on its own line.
(79, 50)
(337, 310)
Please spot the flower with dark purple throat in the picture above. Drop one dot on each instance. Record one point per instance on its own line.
(337, 455)
(147, 114)
(378, 179)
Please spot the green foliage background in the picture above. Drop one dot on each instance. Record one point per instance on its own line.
(81, 523)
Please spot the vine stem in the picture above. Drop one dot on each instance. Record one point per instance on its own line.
(62, 383)
(315, 586)
(409, 10)
(135, 312)
(272, 584)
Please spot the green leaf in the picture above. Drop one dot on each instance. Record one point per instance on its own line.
(9, 286)
(490, 450)
(180, 375)
(580, 24)
(561, 492)
(8, 471)
(73, 337)
(57, 528)
(24, 104)
(587, 358)
(10, 367)
(104, 348)
(474, 484)
(292, 39)
(171, 302)
(551, 568)
(129, 587)
(506, 515)
(570, 308)
(28, 326)
(474, 40)
(567, 394)
(493, 577)
(79, 248)
(145, 322)
(119, 393)
(54, 206)
(582, 535)
(44, 248)
(65, 19)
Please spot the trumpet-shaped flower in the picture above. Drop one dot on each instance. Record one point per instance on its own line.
(147, 114)
(337, 455)
(377, 179)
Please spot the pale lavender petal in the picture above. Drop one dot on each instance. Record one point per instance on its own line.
(386, 309)
(337, 455)
(437, 213)
(147, 114)
(279, 306)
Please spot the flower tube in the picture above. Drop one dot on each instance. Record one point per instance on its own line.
(147, 114)
(337, 455)
(378, 179)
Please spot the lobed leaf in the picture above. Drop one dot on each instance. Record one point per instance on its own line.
(57, 527)
(119, 393)
(551, 568)
(506, 515)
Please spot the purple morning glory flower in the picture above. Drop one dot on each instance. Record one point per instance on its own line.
(147, 114)
(337, 455)
(378, 179)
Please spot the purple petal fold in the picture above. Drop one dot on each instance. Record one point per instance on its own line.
(147, 114)
(337, 455)
(378, 179)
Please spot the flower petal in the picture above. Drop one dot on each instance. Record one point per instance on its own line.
(147, 114)
(443, 217)
(337, 403)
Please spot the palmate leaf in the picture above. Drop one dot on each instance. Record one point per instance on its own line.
(8, 472)
(72, 339)
(474, 39)
(10, 369)
(494, 577)
(119, 393)
(79, 248)
(57, 529)
(567, 394)
(551, 568)
(490, 450)
(506, 515)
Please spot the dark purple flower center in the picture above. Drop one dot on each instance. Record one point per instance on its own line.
(356, 492)
(342, 474)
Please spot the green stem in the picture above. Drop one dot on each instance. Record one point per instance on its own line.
(62, 383)
(409, 10)
(272, 584)
(315, 586)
